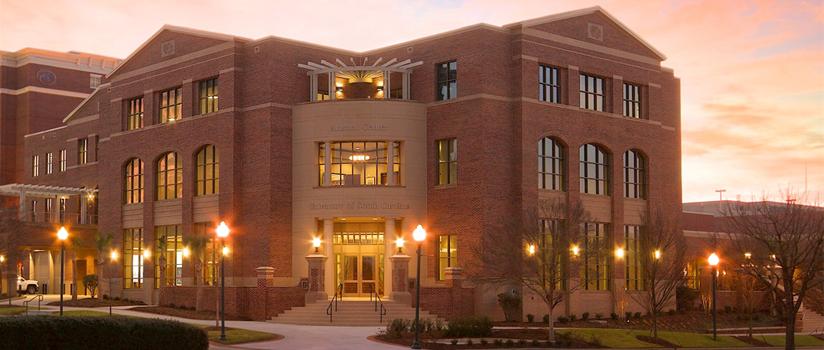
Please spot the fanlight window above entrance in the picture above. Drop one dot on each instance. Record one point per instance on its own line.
(358, 233)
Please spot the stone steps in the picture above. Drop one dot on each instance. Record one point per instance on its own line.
(349, 313)
(812, 321)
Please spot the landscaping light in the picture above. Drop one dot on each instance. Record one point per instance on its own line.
(419, 234)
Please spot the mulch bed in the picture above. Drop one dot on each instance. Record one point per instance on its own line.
(752, 341)
(522, 338)
(184, 313)
(658, 341)
(88, 302)
(819, 336)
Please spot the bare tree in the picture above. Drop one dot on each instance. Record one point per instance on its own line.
(12, 233)
(534, 253)
(746, 287)
(781, 245)
(662, 257)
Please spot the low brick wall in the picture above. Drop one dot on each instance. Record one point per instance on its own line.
(447, 302)
(255, 303)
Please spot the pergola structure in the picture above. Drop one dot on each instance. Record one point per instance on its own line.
(360, 72)
(22, 191)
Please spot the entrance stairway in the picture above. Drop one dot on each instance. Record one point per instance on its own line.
(349, 313)
(812, 311)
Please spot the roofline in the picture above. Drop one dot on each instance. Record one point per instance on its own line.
(83, 103)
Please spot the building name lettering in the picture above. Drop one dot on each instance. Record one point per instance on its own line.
(358, 127)
(354, 205)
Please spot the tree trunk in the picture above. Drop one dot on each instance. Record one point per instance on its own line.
(789, 311)
(551, 324)
(74, 276)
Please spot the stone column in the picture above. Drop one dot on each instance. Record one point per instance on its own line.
(388, 246)
(400, 278)
(317, 273)
(328, 231)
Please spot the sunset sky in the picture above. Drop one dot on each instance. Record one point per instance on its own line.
(752, 72)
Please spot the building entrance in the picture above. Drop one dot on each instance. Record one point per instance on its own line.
(359, 253)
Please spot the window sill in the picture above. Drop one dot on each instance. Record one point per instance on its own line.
(444, 187)
(363, 186)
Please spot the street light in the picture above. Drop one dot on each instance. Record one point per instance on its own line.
(112, 260)
(419, 235)
(713, 261)
(222, 232)
(2, 264)
(62, 235)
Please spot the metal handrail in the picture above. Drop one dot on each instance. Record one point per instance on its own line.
(39, 298)
(378, 301)
(338, 297)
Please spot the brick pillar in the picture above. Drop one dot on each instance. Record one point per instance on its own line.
(400, 278)
(265, 276)
(573, 85)
(317, 272)
(260, 298)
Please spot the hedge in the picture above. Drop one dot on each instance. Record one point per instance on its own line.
(88, 333)
(472, 327)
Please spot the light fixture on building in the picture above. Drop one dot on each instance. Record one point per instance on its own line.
(359, 157)
(2, 258)
(147, 254)
(113, 255)
(186, 252)
(338, 88)
(748, 256)
(225, 251)
(316, 244)
(399, 243)
(619, 253)
(656, 254)
(530, 249)
(575, 250)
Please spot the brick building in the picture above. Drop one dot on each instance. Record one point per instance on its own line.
(295, 145)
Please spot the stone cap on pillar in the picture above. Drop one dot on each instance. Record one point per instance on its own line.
(399, 256)
(265, 276)
(316, 257)
(453, 273)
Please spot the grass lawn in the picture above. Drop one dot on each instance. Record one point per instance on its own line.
(800, 340)
(695, 340)
(239, 336)
(84, 313)
(613, 338)
(11, 310)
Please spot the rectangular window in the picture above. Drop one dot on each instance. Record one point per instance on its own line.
(549, 87)
(83, 151)
(134, 113)
(592, 93)
(632, 252)
(61, 210)
(632, 100)
(593, 170)
(208, 95)
(132, 258)
(169, 239)
(550, 164)
(49, 163)
(170, 106)
(47, 210)
(94, 80)
(551, 247)
(447, 154)
(62, 160)
(693, 275)
(210, 258)
(35, 166)
(596, 254)
(359, 163)
(447, 88)
(33, 211)
(447, 254)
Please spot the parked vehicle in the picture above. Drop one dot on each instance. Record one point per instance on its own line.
(26, 286)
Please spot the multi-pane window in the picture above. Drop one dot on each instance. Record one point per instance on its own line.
(133, 181)
(634, 175)
(447, 254)
(170, 106)
(134, 113)
(94, 80)
(61, 210)
(132, 258)
(632, 100)
(594, 169)
(592, 93)
(549, 87)
(447, 80)
(550, 164)
(596, 255)
(692, 274)
(169, 177)
(447, 153)
(62, 160)
(207, 175)
(634, 272)
(210, 258)
(49, 163)
(83, 151)
(33, 211)
(550, 247)
(35, 166)
(47, 209)
(208, 95)
(360, 163)
(169, 250)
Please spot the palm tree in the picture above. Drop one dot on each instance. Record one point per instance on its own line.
(102, 243)
(161, 259)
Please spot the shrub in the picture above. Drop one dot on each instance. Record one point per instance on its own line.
(572, 317)
(397, 327)
(510, 343)
(637, 315)
(530, 318)
(598, 316)
(469, 342)
(563, 319)
(585, 316)
(484, 342)
(686, 298)
(90, 283)
(521, 342)
(546, 319)
(44, 332)
(469, 327)
(564, 340)
(595, 341)
(454, 341)
(510, 303)
(671, 312)
(627, 315)
(728, 309)
(535, 342)
(498, 342)
(613, 316)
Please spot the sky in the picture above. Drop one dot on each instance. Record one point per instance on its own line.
(752, 72)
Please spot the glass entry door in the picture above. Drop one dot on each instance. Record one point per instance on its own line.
(359, 275)
(359, 254)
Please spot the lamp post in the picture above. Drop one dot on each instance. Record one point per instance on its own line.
(2, 265)
(112, 261)
(222, 232)
(419, 235)
(62, 235)
(713, 261)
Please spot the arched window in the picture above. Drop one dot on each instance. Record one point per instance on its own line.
(550, 164)
(594, 170)
(133, 181)
(169, 177)
(207, 175)
(634, 175)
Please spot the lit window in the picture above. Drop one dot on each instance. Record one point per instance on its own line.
(35, 166)
(592, 93)
(447, 88)
(550, 247)
(132, 258)
(549, 87)
(447, 153)
(550, 164)
(133, 181)
(210, 253)
(170, 106)
(47, 210)
(49, 163)
(634, 175)
(83, 151)
(594, 169)
(169, 177)
(596, 255)
(208, 95)
(207, 171)
(62, 160)
(169, 240)
(632, 100)
(632, 254)
(360, 163)
(447, 254)
(61, 210)
(134, 113)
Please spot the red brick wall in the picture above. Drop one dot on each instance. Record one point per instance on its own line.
(448, 303)
(253, 303)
